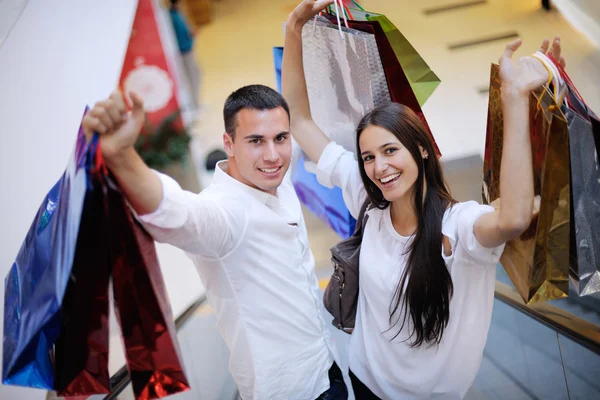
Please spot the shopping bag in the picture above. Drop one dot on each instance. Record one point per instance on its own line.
(142, 305)
(421, 78)
(277, 61)
(325, 203)
(120, 245)
(538, 261)
(584, 135)
(36, 283)
(398, 84)
(584, 145)
(81, 350)
(344, 78)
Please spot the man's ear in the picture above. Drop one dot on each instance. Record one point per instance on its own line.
(228, 144)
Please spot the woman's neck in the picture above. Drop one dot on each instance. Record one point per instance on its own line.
(403, 213)
(404, 216)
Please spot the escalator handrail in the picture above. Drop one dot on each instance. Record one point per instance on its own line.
(575, 328)
(120, 380)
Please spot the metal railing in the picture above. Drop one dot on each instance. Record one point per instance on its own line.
(121, 379)
(577, 329)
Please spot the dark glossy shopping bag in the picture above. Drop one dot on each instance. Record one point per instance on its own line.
(81, 350)
(142, 305)
(111, 241)
(584, 146)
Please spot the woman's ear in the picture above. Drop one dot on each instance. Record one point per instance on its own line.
(424, 152)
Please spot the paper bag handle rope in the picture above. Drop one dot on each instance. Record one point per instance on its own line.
(337, 14)
(555, 76)
(547, 85)
(347, 12)
(567, 79)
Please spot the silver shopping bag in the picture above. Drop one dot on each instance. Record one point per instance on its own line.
(344, 78)
(584, 142)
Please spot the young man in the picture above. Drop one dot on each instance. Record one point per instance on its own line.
(246, 235)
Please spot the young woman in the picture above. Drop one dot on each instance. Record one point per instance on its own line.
(427, 262)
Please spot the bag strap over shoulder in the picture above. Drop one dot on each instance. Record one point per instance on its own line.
(362, 217)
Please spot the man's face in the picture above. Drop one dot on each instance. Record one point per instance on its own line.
(262, 148)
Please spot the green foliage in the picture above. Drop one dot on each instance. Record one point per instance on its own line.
(163, 145)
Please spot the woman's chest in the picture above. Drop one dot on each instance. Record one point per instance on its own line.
(382, 261)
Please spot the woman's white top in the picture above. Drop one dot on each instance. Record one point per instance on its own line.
(390, 367)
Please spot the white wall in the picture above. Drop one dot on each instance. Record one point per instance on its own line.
(584, 15)
(11, 11)
(58, 57)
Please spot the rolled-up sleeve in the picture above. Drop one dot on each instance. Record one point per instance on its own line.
(193, 222)
(338, 167)
(465, 217)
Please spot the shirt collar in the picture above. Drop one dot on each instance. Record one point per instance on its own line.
(221, 177)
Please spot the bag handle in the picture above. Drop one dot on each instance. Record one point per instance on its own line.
(567, 79)
(360, 221)
(94, 161)
(99, 164)
(337, 14)
(554, 77)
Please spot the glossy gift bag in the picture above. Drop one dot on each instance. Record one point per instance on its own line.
(325, 203)
(421, 77)
(118, 245)
(56, 306)
(584, 147)
(399, 87)
(538, 261)
(345, 80)
(142, 305)
(81, 350)
(36, 283)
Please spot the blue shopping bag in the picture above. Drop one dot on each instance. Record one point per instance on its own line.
(36, 282)
(325, 203)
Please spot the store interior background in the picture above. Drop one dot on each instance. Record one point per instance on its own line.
(58, 57)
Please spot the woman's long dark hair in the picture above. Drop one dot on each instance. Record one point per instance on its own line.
(429, 288)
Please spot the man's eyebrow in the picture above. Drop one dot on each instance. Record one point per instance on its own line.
(254, 136)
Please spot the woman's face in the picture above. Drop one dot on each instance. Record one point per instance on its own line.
(387, 162)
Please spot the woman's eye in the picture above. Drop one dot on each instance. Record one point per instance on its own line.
(390, 150)
(367, 158)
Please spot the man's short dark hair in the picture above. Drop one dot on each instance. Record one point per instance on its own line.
(254, 97)
(174, 2)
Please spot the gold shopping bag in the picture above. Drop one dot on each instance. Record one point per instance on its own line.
(538, 261)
